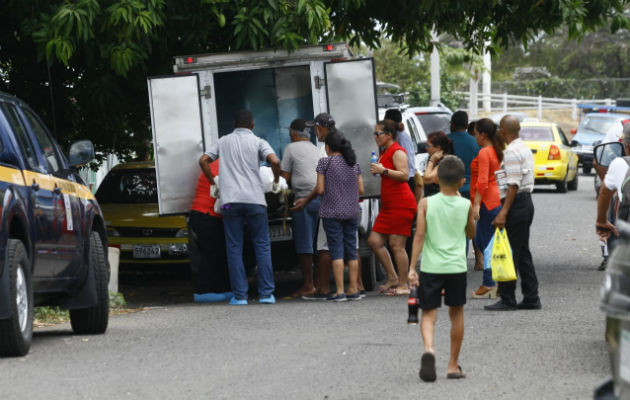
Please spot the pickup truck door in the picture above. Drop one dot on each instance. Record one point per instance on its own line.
(177, 133)
(42, 199)
(351, 98)
(67, 205)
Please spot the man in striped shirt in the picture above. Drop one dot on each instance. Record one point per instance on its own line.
(516, 217)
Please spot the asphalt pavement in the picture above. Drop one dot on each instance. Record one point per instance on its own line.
(356, 350)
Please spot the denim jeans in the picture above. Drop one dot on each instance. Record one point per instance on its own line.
(485, 231)
(235, 216)
(305, 227)
(342, 238)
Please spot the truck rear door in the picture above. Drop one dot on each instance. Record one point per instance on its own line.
(351, 98)
(177, 134)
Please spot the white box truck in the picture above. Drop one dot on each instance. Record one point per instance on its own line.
(194, 107)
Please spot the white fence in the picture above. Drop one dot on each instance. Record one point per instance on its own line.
(505, 102)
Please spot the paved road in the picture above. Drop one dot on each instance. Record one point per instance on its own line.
(359, 350)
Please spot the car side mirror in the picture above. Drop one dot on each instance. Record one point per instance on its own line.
(574, 143)
(574, 131)
(81, 153)
(9, 158)
(422, 148)
(605, 153)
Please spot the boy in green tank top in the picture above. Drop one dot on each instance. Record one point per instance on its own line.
(444, 222)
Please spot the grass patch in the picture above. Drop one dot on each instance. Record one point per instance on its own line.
(46, 316)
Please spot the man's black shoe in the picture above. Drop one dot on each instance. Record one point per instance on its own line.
(499, 306)
(602, 266)
(529, 306)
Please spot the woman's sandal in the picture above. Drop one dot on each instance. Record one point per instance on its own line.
(383, 289)
(456, 375)
(398, 291)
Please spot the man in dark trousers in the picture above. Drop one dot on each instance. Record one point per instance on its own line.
(516, 217)
(464, 146)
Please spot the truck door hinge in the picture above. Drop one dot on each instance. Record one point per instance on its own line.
(206, 92)
(319, 82)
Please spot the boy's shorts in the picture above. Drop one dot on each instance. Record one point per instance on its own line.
(430, 290)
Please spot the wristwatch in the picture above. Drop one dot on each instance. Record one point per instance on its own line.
(386, 172)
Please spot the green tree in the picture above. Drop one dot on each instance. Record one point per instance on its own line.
(82, 64)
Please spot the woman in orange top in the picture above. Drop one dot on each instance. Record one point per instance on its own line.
(484, 194)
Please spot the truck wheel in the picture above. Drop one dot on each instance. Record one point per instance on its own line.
(93, 320)
(561, 187)
(573, 184)
(586, 169)
(368, 272)
(16, 332)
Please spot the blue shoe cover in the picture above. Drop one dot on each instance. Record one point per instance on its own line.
(209, 297)
(267, 300)
(236, 302)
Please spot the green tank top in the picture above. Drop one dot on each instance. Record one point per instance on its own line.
(444, 250)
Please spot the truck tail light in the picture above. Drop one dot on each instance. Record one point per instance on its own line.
(190, 60)
(554, 153)
(329, 47)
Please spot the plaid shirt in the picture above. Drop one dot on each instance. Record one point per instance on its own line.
(518, 164)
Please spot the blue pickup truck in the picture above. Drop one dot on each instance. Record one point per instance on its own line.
(52, 235)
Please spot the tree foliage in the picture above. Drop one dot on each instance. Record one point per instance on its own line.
(82, 64)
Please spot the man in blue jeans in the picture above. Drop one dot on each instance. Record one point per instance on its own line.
(243, 199)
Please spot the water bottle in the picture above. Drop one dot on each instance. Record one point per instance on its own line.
(374, 160)
(413, 306)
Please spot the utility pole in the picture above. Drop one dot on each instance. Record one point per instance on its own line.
(486, 83)
(435, 73)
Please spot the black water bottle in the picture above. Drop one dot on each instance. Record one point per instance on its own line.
(413, 306)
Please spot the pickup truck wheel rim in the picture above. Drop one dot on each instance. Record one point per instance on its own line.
(21, 297)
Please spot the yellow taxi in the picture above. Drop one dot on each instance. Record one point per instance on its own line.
(554, 159)
(130, 205)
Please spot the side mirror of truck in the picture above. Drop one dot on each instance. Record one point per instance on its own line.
(9, 158)
(81, 153)
(574, 143)
(422, 148)
(605, 153)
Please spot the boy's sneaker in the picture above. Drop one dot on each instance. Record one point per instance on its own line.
(354, 297)
(337, 298)
(267, 300)
(236, 302)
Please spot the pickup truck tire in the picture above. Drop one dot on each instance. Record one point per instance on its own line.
(93, 320)
(586, 169)
(16, 332)
(368, 272)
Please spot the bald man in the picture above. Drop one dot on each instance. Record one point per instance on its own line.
(516, 217)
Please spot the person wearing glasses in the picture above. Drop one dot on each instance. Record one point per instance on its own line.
(397, 211)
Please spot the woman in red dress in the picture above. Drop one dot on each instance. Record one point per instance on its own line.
(398, 208)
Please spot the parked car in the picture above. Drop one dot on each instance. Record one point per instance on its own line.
(128, 197)
(52, 232)
(554, 159)
(592, 129)
(433, 119)
(417, 133)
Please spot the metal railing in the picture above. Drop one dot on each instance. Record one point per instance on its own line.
(506, 102)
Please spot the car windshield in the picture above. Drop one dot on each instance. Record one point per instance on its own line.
(435, 122)
(536, 134)
(597, 124)
(128, 186)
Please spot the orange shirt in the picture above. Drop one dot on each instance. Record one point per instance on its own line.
(482, 178)
(202, 201)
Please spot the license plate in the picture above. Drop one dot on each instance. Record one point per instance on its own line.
(146, 251)
(624, 355)
(277, 234)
